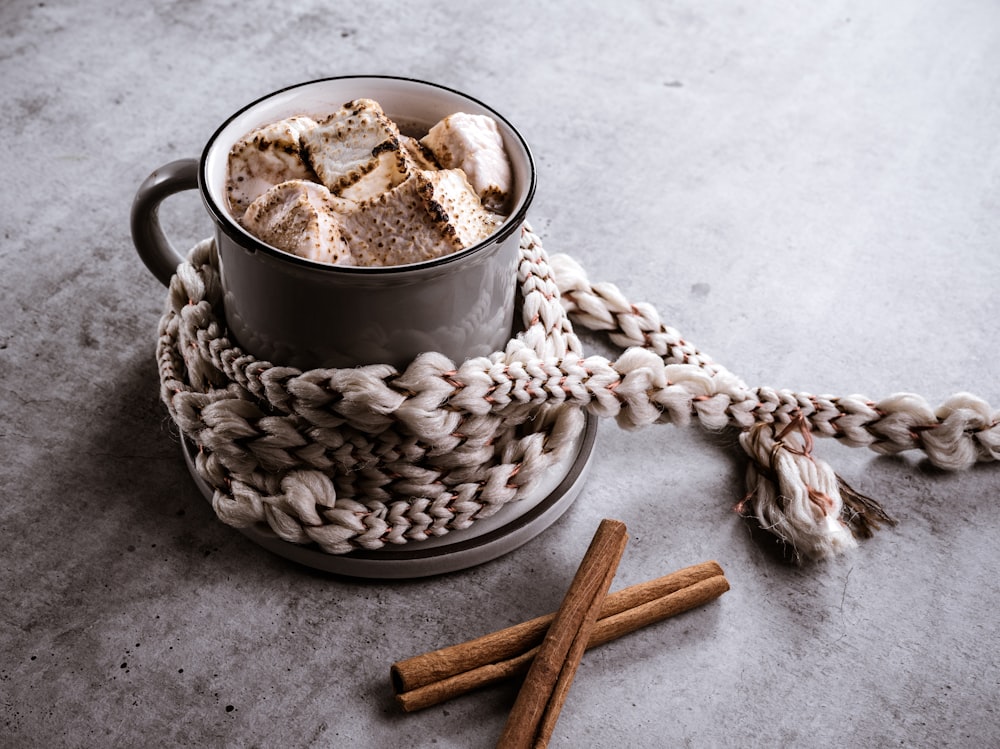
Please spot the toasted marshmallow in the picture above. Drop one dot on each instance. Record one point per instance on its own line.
(419, 156)
(356, 151)
(302, 218)
(472, 143)
(266, 157)
(431, 214)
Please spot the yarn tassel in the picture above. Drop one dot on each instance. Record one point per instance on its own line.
(798, 497)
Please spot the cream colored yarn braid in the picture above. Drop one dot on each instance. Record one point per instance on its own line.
(358, 458)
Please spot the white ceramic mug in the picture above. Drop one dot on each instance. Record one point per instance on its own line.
(295, 311)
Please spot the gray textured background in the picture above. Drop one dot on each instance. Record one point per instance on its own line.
(811, 193)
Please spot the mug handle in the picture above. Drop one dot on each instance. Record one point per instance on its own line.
(150, 242)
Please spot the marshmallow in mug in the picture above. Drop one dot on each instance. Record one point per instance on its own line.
(350, 189)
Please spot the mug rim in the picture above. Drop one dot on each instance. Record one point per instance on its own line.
(225, 221)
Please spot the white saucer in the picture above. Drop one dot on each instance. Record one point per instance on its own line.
(485, 540)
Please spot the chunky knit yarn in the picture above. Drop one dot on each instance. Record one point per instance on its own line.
(362, 457)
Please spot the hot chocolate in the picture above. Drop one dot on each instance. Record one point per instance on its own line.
(349, 188)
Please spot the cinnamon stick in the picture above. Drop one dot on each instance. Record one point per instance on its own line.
(434, 677)
(547, 683)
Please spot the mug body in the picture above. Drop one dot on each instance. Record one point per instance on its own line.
(295, 311)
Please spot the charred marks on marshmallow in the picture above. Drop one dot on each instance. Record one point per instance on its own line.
(473, 143)
(266, 157)
(431, 214)
(300, 217)
(356, 151)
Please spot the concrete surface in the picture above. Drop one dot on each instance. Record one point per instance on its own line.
(811, 193)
